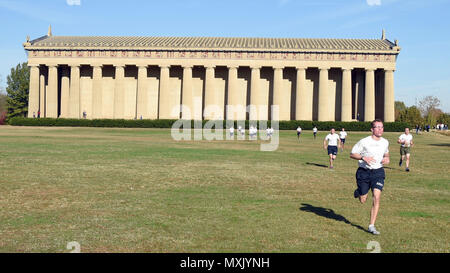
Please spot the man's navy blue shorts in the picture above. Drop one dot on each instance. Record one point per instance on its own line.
(332, 150)
(369, 179)
(342, 140)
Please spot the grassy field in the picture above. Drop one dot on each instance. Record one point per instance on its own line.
(137, 190)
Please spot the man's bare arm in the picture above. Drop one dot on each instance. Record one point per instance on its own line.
(366, 159)
(386, 159)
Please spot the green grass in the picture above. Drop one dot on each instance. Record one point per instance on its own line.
(137, 190)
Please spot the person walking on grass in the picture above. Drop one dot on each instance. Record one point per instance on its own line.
(372, 153)
(315, 132)
(405, 149)
(332, 146)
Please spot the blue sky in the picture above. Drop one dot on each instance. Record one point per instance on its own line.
(422, 28)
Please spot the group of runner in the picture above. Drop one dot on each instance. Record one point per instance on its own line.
(372, 153)
(252, 131)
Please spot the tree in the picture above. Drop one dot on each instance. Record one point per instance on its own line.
(399, 107)
(17, 91)
(428, 104)
(2, 104)
(444, 118)
(412, 116)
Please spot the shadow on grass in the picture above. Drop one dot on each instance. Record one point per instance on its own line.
(440, 144)
(317, 165)
(330, 214)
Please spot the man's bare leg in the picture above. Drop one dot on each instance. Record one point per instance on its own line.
(407, 162)
(374, 211)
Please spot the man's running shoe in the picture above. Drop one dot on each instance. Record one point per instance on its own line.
(373, 230)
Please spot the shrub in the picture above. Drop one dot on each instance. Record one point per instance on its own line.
(167, 123)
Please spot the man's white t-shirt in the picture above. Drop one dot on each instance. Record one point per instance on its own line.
(315, 130)
(299, 129)
(407, 138)
(231, 129)
(343, 134)
(369, 147)
(332, 139)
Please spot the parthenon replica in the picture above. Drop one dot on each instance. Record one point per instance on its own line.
(204, 77)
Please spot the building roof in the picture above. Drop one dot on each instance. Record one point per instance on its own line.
(209, 43)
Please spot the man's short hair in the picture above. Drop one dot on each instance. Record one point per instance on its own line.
(375, 121)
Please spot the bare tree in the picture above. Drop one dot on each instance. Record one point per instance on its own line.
(3, 106)
(1, 87)
(427, 104)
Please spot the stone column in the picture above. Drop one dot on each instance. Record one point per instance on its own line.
(323, 94)
(210, 96)
(346, 106)
(278, 89)
(164, 94)
(65, 86)
(52, 92)
(42, 90)
(389, 102)
(119, 90)
(74, 96)
(33, 99)
(187, 94)
(97, 92)
(303, 103)
(256, 96)
(142, 96)
(369, 96)
(233, 97)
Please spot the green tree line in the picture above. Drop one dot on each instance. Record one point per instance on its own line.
(426, 112)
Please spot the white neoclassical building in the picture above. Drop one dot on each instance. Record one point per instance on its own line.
(211, 77)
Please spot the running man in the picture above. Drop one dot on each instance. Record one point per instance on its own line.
(405, 149)
(315, 132)
(342, 136)
(372, 153)
(333, 145)
(232, 131)
(299, 132)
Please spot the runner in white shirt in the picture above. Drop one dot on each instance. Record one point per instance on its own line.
(315, 132)
(405, 149)
(299, 132)
(268, 132)
(231, 131)
(372, 153)
(252, 132)
(342, 136)
(332, 146)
